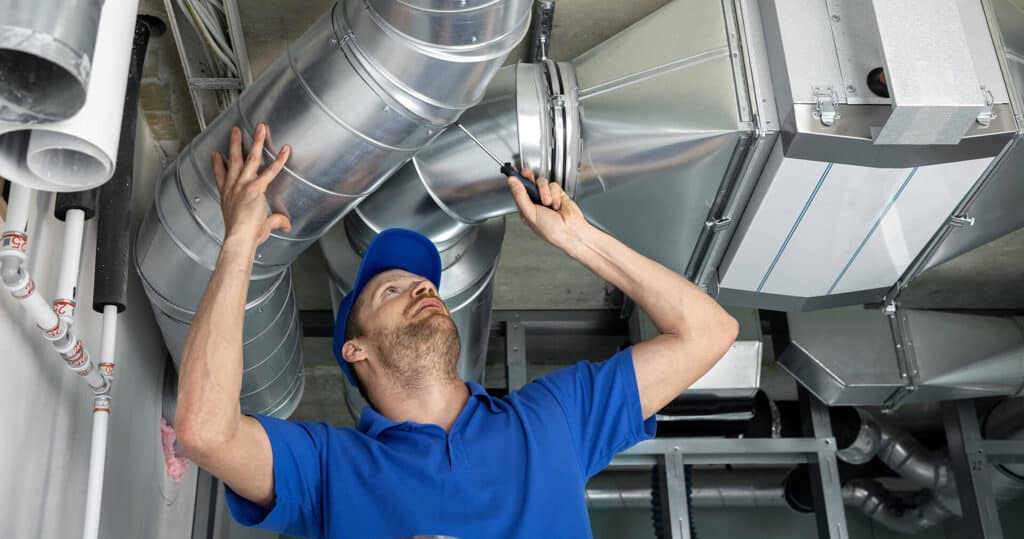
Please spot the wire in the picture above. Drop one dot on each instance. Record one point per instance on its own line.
(197, 23)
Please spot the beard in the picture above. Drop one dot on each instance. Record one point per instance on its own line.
(421, 352)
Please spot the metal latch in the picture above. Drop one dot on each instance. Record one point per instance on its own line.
(718, 225)
(961, 221)
(825, 104)
(985, 117)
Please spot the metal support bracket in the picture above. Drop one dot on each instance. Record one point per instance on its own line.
(829, 513)
(515, 353)
(971, 469)
(676, 513)
(543, 19)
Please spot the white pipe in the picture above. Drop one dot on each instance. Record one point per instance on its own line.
(71, 257)
(97, 461)
(100, 419)
(17, 207)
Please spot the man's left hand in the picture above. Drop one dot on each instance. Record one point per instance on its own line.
(557, 219)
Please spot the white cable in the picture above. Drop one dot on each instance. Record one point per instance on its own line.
(210, 42)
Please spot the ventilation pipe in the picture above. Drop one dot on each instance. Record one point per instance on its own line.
(364, 89)
(46, 51)
(633, 109)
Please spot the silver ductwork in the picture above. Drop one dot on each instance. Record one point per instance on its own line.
(870, 357)
(46, 49)
(658, 107)
(356, 96)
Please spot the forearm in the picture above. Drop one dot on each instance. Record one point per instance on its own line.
(211, 364)
(675, 305)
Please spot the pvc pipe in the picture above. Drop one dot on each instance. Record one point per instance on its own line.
(71, 258)
(17, 207)
(97, 463)
(100, 419)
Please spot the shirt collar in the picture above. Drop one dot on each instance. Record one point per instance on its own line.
(372, 423)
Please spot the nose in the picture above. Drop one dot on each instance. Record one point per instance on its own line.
(423, 288)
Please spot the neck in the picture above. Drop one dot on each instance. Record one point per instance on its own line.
(436, 403)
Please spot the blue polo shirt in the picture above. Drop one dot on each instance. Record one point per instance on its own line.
(510, 467)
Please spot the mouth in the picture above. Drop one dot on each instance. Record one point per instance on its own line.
(429, 304)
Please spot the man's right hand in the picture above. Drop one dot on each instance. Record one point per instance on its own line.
(243, 188)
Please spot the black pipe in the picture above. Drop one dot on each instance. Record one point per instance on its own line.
(111, 277)
(76, 200)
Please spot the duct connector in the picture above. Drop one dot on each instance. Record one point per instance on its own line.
(638, 108)
(356, 96)
(46, 49)
(469, 259)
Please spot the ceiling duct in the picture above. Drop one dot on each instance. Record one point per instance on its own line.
(46, 56)
(665, 107)
(355, 96)
(857, 356)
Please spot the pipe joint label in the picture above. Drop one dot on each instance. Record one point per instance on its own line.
(25, 292)
(14, 241)
(65, 308)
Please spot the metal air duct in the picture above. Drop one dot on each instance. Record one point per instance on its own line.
(46, 52)
(356, 96)
(871, 357)
(658, 107)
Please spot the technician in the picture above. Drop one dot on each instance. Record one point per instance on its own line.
(433, 454)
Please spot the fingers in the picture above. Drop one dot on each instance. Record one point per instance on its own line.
(547, 197)
(279, 221)
(219, 170)
(526, 207)
(235, 157)
(557, 196)
(252, 163)
(271, 172)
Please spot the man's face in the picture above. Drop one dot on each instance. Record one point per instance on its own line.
(412, 330)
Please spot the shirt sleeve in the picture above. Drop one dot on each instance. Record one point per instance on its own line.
(298, 504)
(601, 403)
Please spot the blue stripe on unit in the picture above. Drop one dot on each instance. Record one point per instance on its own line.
(792, 230)
(874, 227)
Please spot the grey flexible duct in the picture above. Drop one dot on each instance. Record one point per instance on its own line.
(367, 86)
(46, 49)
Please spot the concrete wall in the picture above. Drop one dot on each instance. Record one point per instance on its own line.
(46, 410)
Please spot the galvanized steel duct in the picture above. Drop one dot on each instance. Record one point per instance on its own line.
(367, 86)
(638, 106)
(46, 49)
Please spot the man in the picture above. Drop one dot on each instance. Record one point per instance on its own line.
(434, 454)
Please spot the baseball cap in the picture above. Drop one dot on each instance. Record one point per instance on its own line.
(394, 248)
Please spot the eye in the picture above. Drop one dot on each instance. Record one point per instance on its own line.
(389, 291)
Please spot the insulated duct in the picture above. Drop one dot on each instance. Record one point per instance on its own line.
(357, 95)
(46, 56)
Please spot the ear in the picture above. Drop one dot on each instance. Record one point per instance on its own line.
(353, 351)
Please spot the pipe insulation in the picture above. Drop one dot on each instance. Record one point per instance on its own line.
(356, 96)
(73, 145)
(46, 57)
(110, 283)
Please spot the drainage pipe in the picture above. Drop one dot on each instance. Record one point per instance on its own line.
(46, 49)
(70, 263)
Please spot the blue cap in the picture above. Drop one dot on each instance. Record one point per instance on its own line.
(395, 248)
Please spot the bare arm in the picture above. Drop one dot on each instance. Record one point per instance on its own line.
(695, 331)
(209, 423)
